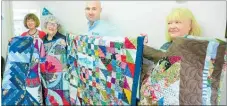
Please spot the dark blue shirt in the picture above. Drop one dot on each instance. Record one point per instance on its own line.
(55, 37)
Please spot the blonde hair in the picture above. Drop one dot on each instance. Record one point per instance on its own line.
(179, 14)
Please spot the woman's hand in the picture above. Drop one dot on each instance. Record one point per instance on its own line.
(10, 39)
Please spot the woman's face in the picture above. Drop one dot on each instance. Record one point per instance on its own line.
(179, 27)
(31, 24)
(52, 28)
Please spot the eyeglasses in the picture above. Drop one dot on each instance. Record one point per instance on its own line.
(52, 24)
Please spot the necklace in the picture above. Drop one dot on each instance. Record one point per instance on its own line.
(33, 33)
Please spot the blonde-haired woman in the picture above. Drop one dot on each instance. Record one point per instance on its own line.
(180, 22)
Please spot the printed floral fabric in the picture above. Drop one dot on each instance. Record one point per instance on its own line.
(162, 86)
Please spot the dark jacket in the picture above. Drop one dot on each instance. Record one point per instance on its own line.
(55, 37)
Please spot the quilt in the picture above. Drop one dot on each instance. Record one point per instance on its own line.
(202, 61)
(54, 73)
(21, 83)
(201, 65)
(105, 71)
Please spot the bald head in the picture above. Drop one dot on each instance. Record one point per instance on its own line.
(95, 3)
(93, 10)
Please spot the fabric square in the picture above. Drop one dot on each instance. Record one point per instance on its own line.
(108, 84)
(113, 80)
(112, 50)
(92, 46)
(94, 84)
(111, 44)
(113, 74)
(123, 58)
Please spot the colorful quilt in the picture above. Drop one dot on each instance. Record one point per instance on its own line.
(21, 83)
(105, 71)
(202, 62)
(54, 72)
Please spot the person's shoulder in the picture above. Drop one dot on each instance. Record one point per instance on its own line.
(103, 22)
(165, 46)
(42, 34)
(60, 35)
(107, 25)
(24, 33)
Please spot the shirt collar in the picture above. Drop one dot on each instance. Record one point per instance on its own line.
(94, 24)
(54, 37)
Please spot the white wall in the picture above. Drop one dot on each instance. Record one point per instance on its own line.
(70, 14)
(134, 17)
(7, 26)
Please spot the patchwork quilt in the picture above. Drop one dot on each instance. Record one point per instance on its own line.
(54, 72)
(107, 71)
(104, 71)
(21, 84)
(201, 67)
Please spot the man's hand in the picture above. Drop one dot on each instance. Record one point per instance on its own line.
(145, 38)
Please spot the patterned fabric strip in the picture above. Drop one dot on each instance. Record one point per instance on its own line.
(211, 54)
(21, 80)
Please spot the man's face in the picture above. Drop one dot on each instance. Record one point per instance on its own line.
(93, 10)
(179, 27)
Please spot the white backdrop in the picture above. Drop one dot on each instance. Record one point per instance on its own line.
(134, 17)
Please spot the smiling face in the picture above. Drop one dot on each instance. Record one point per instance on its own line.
(52, 27)
(31, 21)
(31, 24)
(179, 27)
(181, 22)
(93, 10)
